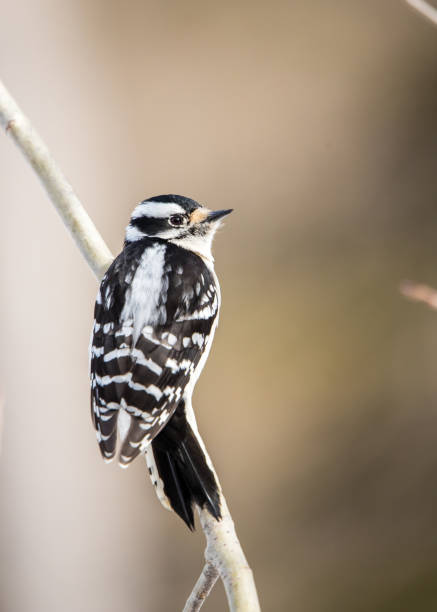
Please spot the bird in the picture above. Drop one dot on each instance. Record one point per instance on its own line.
(155, 316)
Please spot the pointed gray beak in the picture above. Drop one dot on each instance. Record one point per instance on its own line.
(215, 215)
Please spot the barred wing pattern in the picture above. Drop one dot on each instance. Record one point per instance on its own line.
(142, 359)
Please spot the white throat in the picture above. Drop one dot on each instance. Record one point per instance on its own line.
(201, 245)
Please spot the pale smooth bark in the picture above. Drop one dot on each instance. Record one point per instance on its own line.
(73, 214)
(425, 9)
(420, 293)
(224, 555)
(202, 588)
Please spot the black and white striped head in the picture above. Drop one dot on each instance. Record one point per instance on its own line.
(177, 219)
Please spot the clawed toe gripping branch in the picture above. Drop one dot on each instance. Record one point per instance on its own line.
(224, 555)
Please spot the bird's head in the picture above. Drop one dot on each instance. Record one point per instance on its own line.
(179, 220)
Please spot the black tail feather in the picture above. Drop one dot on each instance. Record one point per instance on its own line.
(183, 469)
(205, 486)
(185, 513)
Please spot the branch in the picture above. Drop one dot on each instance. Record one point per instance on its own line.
(223, 550)
(61, 193)
(202, 588)
(424, 9)
(419, 293)
(225, 558)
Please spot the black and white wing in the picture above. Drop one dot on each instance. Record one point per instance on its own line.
(155, 315)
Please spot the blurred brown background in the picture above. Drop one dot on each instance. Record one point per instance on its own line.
(317, 122)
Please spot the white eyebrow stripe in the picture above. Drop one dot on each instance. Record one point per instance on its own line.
(156, 210)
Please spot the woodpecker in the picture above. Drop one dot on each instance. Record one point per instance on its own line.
(154, 321)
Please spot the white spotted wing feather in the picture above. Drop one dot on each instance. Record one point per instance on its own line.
(154, 318)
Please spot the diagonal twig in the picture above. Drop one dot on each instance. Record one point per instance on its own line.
(419, 293)
(223, 550)
(202, 588)
(61, 193)
(425, 9)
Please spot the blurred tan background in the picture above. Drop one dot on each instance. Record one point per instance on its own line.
(317, 122)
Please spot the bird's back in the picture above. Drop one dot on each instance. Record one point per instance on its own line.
(153, 318)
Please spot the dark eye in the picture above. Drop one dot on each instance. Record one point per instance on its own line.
(177, 220)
